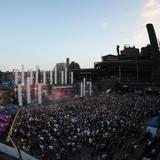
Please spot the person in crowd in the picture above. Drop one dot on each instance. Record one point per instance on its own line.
(107, 125)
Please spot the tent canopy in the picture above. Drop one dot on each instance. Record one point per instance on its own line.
(155, 122)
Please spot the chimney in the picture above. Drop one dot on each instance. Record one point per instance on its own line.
(118, 50)
(67, 63)
(153, 39)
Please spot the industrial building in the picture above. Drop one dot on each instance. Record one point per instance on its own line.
(131, 66)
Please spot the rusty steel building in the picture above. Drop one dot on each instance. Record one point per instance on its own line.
(130, 66)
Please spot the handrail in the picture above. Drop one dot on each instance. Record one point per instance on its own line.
(14, 152)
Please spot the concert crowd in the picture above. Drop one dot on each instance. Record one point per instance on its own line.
(104, 127)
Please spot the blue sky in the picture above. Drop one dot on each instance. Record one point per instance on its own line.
(45, 32)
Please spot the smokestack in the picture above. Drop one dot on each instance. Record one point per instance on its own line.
(118, 50)
(67, 63)
(152, 38)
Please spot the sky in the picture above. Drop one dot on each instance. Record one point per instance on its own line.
(46, 32)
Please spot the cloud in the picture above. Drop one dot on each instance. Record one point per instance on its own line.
(148, 13)
(151, 10)
(105, 24)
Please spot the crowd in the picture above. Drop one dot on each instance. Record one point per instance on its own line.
(106, 127)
